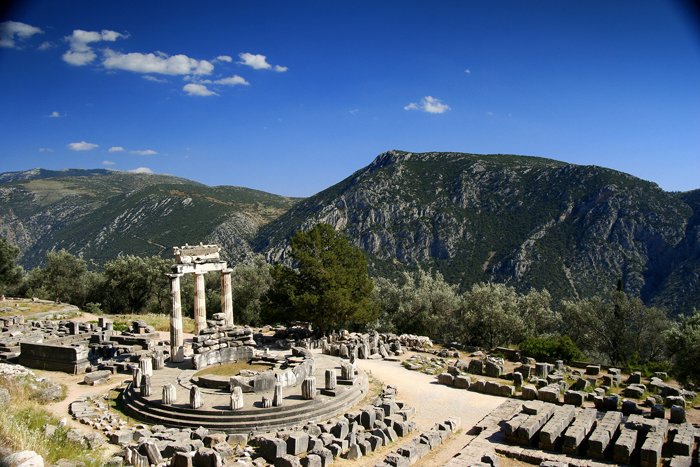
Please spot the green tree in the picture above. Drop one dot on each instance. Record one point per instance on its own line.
(10, 273)
(329, 286)
(619, 329)
(490, 317)
(133, 284)
(683, 341)
(249, 283)
(422, 304)
(64, 277)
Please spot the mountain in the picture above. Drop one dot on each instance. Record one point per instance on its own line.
(98, 214)
(524, 221)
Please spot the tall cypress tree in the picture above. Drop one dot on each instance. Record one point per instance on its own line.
(329, 285)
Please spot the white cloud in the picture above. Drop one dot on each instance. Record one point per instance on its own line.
(46, 46)
(108, 163)
(116, 149)
(82, 146)
(141, 170)
(45, 150)
(55, 115)
(354, 111)
(153, 78)
(467, 71)
(80, 52)
(160, 63)
(147, 152)
(198, 90)
(10, 29)
(429, 104)
(259, 62)
(232, 81)
(224, 58)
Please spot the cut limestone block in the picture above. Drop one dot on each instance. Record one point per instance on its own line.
(584, 422)
(653, 445)
(551, 433)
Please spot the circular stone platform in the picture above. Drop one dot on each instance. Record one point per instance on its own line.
(216, 414)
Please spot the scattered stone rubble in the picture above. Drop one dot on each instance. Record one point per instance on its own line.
(351, 436)
(75, 347)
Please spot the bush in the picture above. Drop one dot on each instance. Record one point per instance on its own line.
(561, 347)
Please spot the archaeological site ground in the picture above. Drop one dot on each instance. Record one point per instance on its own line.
(283, 396)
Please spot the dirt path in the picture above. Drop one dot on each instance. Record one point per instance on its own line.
(434, 403)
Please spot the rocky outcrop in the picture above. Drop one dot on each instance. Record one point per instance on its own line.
(525, 221)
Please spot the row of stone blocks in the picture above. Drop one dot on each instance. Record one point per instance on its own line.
(484, 386)
(604, 434)
(352, 436)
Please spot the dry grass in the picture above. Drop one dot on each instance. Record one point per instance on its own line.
(159, 322)
(22, 427)
(230, 369)
(25, 307)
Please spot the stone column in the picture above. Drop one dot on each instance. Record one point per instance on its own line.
(308, 388)
(200, 306)
(277, 398)
(145, 385)
(169, 394)
(331, 380)
(226, 295)
(146, 365)
(136, 374)
(177, 341)
(195, 397)
(236, 398)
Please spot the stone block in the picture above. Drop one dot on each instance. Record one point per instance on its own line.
(297, 443)
(446, 379)
(634, 392)
(271, 448)
(578, 430)
(462, 382)
(677, 414)
(549, 394)
(325, 454)
(552, 430)
(287, 460)
(530, 392)
(206, 457)
(476, 367)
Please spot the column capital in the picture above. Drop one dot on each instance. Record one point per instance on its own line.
(226, 271)
(174, 276)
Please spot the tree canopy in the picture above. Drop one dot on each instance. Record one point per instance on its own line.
(619, 329)
(10, 273)
(684, 345)
(329, 286)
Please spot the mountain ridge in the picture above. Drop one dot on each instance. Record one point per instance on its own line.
(525, 221)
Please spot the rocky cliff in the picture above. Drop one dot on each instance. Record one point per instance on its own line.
(525, 221)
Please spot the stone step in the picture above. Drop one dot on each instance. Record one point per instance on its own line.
(240, 421)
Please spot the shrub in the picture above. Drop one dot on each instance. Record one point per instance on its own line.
(560, 347)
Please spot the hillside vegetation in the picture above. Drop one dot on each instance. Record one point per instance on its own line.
(101, 216)
(524, 221)
(528, 222)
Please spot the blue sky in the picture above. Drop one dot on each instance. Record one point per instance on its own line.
(292, 97)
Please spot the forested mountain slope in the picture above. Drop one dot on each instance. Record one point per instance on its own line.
(99, 215)
(524, 221)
